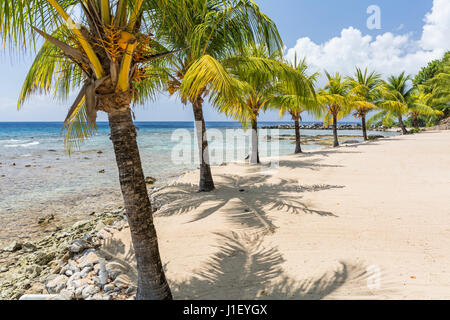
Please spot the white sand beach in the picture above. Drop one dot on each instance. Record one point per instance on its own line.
(368, 221)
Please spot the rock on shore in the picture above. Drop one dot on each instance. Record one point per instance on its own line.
(69, 264)
(443, 125)
(320, 126)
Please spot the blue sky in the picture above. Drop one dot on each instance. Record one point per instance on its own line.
(332, 34)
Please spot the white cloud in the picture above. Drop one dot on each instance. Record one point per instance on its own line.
(436, 31)
(387, 53)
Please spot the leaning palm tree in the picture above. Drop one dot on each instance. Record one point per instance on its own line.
(334, 97)
(394, 103)
(296, 105)
(109, 54)
(365, 90)
(208, 31)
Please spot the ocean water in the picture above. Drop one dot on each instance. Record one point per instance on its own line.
(38, 177)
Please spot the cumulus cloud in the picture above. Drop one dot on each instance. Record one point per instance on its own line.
(436, 31)
(387, 53)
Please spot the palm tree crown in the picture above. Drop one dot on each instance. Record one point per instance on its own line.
(334, 97)
(296, 105)
(365, 92)
(396, 93)
(258, 76)
(206, 32)
(110, 54)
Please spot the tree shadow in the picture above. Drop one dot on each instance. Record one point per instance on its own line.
(324, 152)
(244, 200)
(243, 269)
(120, 255)
(314, 166)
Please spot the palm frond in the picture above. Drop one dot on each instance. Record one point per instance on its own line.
(208, 74)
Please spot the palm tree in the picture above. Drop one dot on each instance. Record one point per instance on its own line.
(440, 85)
(257, 95)
(107, 54)
(420, 105)
(297, 105)
(209, 31)
(399, 100)
(365, 90)
(334, 97)
(256, 77)
(396, 94)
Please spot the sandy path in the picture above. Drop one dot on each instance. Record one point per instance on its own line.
(369, 221)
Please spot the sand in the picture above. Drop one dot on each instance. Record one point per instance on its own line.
(367, 221)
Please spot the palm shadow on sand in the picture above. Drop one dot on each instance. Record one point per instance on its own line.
(243, 269)
(245, 200)
(121, 256)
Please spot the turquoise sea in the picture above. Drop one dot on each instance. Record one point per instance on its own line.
(38, 177)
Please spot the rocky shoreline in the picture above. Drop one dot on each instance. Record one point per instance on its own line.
(64, 263)
(69, 264)
(320, 126)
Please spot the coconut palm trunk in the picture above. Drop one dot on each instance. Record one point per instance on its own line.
(254, 158)
(364, 126)
(335, 131)
(415, 121)
(152, 284)
(402, 125)
(298, 147)
(206, 183)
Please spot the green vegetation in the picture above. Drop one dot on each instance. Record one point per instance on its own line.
(334, 98)
(296, 105)
(366, 91)
(204, 35)
(434, 79)
(261, 80)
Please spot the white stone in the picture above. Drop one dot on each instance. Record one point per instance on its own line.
(108, 287)
(113, 269)
(80, 283)
(86, 271)
(89, 259)
(56, 284)
(13, 246)
(67, 294)
(102, 234)
(78, 246)
(100, 226)
(79, 293)
(103, 274)
(72, 265)
(78, 224)
(122, 281)
(41, 297)
(89, 291)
